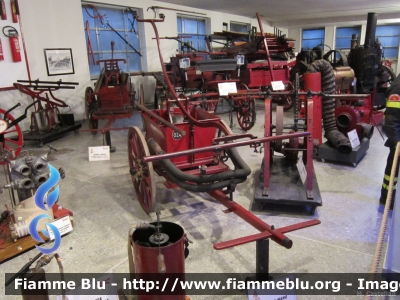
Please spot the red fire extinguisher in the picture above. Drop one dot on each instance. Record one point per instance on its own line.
(3, 10)
(1, 52)
(14, 10)
(14, 42)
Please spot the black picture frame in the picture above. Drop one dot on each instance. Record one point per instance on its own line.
(59, 61)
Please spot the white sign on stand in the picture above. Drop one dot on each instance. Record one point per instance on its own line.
(99, 153)
(278, 85)
(225, 88)
(353, 137)
(302, 169)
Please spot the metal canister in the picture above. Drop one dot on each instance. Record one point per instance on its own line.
(147, 250)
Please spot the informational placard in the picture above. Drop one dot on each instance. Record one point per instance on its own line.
(106, 283)
(353, 137)
(282, 290)
(184, 63)
(63, 224)
(278, 85)
(302, 170)
(99, 153)
(225, 88)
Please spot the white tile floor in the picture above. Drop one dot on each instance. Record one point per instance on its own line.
(104, 204)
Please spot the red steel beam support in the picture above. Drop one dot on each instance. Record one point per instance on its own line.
(267, 231)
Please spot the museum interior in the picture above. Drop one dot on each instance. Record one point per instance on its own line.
(150, 147)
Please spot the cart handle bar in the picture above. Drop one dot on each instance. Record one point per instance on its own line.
(153, 158)
(158, 118)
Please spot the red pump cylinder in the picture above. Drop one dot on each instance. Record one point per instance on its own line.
(147, 254)
(312, 82)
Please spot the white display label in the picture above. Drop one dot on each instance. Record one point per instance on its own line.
(353, 137)
(184, 63)
(302, 170)
(99, 153)
(225, 88)
(3, 126)
(278, 85)
(64, 226)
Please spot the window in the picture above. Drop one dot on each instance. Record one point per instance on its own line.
(192, 31)
(312, 38)
(239, 27)
(107, 24)
(343, 37)
(388, 35)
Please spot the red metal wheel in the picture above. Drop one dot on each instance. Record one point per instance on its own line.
(143, 177)
(246, 113)
(90, 105)
(13, 138)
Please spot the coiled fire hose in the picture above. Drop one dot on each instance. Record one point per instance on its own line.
(382, 231)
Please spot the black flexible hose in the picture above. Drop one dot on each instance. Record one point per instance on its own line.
(241, 171)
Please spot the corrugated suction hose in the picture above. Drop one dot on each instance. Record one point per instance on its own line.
(204, 183)
(332, 134)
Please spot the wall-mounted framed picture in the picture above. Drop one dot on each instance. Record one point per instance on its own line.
(59, 61)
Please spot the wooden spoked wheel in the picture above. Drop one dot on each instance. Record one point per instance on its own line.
(90, 105)
(246, 113)
(12, 139)
(143, 176)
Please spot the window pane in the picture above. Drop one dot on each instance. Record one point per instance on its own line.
(309, 44)
(387, 30)
(238, 27)
(389, 41)
(179, 24)
(313, 33)
(391, 53)
(343, 43)
(202, 27)
(134, 62)
(112, 16)
(190, 25)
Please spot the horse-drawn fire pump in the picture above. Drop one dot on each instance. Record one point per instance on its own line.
(111, 99)
(189, 147)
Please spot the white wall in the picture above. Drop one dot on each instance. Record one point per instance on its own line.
(59, 24)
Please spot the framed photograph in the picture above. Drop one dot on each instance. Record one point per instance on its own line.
(59, 61)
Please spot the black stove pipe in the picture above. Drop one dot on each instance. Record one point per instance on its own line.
(370, 31)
